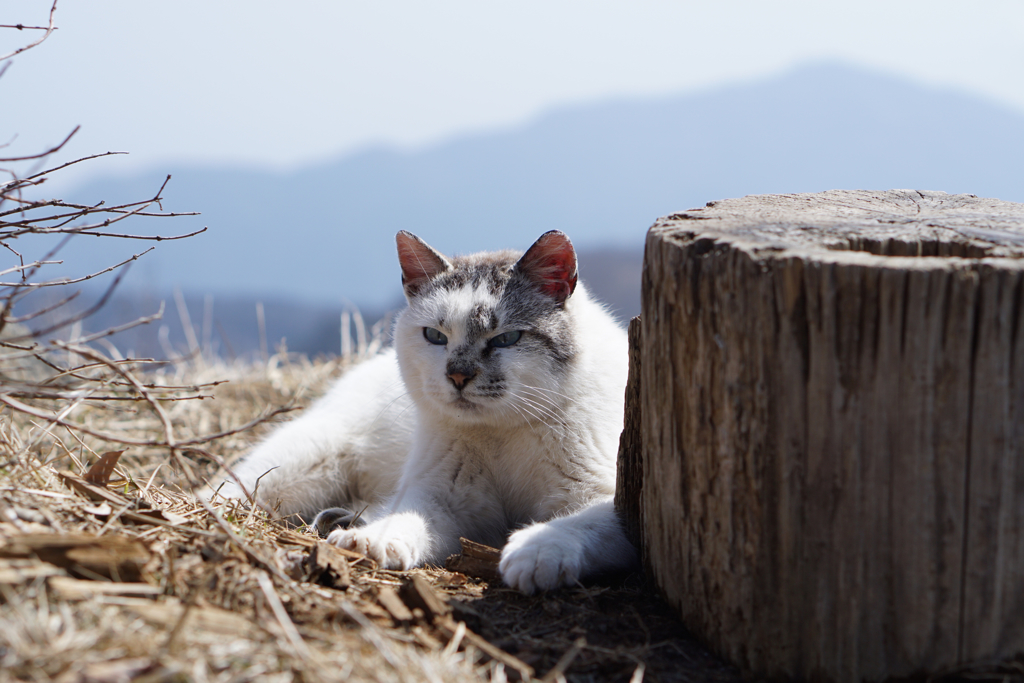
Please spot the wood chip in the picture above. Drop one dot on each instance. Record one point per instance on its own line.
(418, 593)
(112, 557)
(476, 560)
(389, 600)
(327, 565)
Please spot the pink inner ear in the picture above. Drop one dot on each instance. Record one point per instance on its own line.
(551, 263)
(419, 262)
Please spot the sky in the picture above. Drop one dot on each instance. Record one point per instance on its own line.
(279, 86)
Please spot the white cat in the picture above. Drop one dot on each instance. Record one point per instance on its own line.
(498, 411)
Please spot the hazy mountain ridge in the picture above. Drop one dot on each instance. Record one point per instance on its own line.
(602, 173)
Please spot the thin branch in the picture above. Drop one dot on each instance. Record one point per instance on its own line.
(17, 405)
(42, 155)
(36, 264)
(74, 281)
(44, 310)
(82, 209)
(73, 372)
(266, 417)
(54, 419)
(156, 238)
(71, 163)
(145, 320)
(165, 419)
(68, 395)
(83, 315)
(50, 28)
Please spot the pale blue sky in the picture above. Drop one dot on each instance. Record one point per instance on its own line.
(279, 85)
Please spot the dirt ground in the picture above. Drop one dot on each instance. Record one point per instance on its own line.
(624, 625)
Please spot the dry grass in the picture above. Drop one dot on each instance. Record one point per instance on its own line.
(136, 579)
(209, 598)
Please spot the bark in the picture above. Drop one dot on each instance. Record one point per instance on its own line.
(832, 429)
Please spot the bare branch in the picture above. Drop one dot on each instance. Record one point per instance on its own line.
(74, 281)
(50, 28)
(266, 417)
(45, 380)
(18, 269)
(58, 420)
(13, 403)
(71, 163)
(48, 152)
(44, 310)
(156, 238)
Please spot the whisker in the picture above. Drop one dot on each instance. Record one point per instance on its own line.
(540, 407)
(550, 391)
(544, 400)
(545, 414)
(524, 406)
(556, 411)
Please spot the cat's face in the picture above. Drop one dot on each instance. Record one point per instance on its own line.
(486, 338)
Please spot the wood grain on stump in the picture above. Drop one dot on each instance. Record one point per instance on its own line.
(831, 391)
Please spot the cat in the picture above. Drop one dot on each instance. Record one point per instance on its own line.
(496, 417)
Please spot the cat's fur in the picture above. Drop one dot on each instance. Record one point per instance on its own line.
(464, 438)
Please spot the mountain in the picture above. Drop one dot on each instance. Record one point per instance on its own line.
(602, 173)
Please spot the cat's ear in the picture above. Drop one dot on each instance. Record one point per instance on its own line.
(551, 265)
(420, 262)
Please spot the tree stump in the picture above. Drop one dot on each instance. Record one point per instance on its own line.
(831, 392)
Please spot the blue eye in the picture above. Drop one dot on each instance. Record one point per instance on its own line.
(435, 336)
(505, 339)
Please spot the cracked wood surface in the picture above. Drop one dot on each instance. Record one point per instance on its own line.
(832, 444)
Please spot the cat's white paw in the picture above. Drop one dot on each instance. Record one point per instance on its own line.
(389, 542)
(541, 557)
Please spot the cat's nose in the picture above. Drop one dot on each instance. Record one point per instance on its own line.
(461, 377)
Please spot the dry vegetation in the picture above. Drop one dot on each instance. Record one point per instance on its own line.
(111, 569)
(135, 578)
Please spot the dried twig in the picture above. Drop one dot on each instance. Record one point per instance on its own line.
(50, 28)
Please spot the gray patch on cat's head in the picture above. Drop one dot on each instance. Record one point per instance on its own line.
(490, 270)
(478, 297)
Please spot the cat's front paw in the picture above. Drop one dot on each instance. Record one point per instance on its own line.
(391, 543)
(540, 558)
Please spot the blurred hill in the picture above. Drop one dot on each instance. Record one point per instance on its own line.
(229, 325)
(602, 173)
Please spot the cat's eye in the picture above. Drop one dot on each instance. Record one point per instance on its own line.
(505, 339)
(435, 336)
